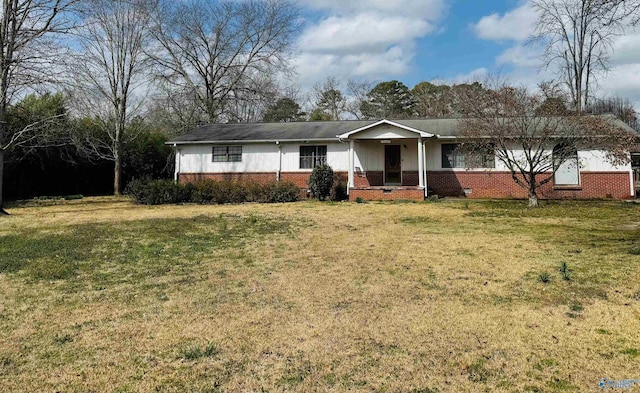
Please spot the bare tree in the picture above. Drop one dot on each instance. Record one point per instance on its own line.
(357, 91)
(111, 67)
(28, 52)
(531, 141)
(217, 50)
(577, 39)
(624, 11)
(622, 108)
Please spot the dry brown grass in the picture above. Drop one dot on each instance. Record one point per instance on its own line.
(318, 297)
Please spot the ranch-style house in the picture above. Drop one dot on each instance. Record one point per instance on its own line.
(381, 160)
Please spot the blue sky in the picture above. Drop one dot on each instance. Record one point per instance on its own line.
(443, 40)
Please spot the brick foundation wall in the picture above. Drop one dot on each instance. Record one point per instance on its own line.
(300, 179)
(447, 183)
(500, 185)
(410, 178)
(379, 194)
(376, 179)
(257, 177)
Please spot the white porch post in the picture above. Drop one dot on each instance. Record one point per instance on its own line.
(351, 182)
(420, 162)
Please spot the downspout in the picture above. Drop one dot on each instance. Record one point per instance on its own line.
(176, 174)
(279, 173)
(633, 183)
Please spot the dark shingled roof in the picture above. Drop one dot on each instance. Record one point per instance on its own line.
(301, 131)
(317, 131)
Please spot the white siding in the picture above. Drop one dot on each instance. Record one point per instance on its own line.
(386, 132)
(263, 157)
(257, 157)
(590, 161)
(337, 156)
(370, 154)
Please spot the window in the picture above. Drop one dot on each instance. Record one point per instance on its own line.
(227, 153)
(454, 157)
(312, 156)
(566, 166)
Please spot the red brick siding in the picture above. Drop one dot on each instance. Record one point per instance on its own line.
(258, 177)
(376, 179)
(369, 179)
(410, 178)
(501, 185)
(300, 179)
(380, 195)
(448, 183)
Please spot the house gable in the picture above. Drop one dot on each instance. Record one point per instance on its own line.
(385, 129)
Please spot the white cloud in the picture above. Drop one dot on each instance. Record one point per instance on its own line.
(476, 75)
(517, 25)
(626, 48)
(520, 56)
(364, 38)
(364, 32)
(426, 9)
(525, 62)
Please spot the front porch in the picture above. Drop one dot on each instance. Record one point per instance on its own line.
(387, 161)
(391, 193)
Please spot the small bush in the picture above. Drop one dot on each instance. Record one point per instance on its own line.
(359, 200)
(284, 192)
(339, 189)
(321, 182)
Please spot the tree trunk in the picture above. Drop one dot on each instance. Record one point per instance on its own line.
(533, 198)
(116, 173)
(2, 211)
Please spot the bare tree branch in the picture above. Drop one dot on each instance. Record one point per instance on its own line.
(112, 68)
(214, 49)
(533, 139)
(577, 36)
(28, 55)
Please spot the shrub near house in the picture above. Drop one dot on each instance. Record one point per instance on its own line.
(157, 192)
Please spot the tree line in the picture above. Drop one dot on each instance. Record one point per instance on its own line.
(127, 74)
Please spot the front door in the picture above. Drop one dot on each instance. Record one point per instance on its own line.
(392, 165)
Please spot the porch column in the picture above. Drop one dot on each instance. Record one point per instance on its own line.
(351, 165)
(420, 163)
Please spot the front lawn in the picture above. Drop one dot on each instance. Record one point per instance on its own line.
(102, 295)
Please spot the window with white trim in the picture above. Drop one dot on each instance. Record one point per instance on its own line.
(312, 156)
(227, 153)
(566, 166)
(454, 157)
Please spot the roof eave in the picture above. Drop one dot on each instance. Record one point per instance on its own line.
(240, 141)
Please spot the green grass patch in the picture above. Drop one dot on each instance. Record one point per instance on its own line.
(196, 352)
